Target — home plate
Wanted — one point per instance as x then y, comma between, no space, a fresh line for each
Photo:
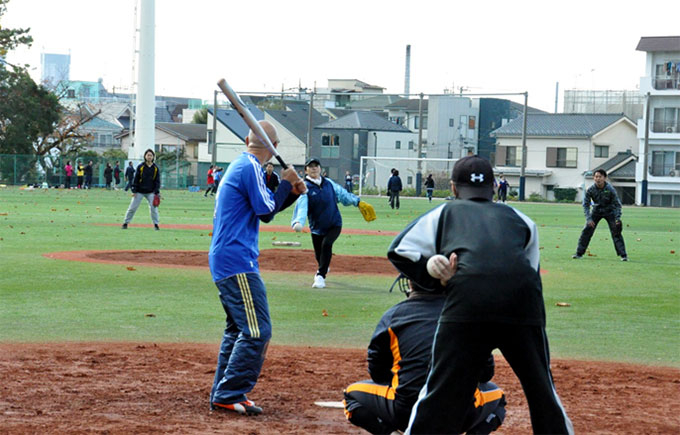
329,404
277,243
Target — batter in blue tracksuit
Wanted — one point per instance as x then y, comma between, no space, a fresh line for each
242,201
320,204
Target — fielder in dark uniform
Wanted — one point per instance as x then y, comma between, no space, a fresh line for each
492,301
398,361
606,204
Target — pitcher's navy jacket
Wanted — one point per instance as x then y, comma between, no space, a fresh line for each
320,205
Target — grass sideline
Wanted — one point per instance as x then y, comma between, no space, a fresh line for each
619,311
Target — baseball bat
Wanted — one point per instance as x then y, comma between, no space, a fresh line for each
249,119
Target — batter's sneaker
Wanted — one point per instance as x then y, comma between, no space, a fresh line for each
576,256
624,258
247,407
319,282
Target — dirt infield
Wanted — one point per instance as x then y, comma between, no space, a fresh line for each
147,387
163,388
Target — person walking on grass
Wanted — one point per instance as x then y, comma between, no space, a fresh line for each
146,185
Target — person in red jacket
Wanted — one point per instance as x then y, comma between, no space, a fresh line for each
210,181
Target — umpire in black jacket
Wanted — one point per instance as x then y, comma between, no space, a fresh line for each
398,358
492,302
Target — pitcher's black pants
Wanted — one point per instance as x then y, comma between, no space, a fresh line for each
323,249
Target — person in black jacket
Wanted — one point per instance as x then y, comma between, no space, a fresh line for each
398,358
492,302
271,177
394,187
146,184
116,175
130,176
88,175
605,205
429,186
108,175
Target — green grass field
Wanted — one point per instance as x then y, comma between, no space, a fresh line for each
619,311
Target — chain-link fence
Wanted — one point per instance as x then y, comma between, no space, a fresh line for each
48,171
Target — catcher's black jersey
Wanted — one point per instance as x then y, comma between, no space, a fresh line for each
400,349
498,261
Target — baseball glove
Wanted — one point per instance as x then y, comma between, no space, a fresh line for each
367,211
156,200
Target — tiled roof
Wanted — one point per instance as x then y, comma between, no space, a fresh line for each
233,121
559,124
297,121
659,43
187,132
363,121
625,171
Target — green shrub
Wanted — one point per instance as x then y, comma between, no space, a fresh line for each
535,197
565,194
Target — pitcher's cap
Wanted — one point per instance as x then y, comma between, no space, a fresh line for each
312,160
473,177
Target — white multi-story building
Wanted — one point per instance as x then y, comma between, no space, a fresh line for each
661,144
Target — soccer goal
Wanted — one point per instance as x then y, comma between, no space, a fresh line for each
374,173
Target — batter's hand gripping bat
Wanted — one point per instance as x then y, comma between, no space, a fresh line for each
249,119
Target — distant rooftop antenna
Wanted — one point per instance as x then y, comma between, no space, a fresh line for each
407,73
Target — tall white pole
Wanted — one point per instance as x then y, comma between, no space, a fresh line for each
146,98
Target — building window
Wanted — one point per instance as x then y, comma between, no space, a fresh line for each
561,157
658,199
397,145
665,163
210,142
410,144
601,151
416,122
409,180
450,122
330,139
71,93
513,156
666,120
472,122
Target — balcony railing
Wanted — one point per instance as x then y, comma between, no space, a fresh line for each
661,83
665,127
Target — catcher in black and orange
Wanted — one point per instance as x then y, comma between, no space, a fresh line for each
320,205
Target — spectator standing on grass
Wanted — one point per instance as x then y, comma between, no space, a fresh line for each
429,186
116,175
348,181
108,175
68,171
242,201
88,175
502,189
606,205
80,172
130,176
146,184
271,177
394,186
210,181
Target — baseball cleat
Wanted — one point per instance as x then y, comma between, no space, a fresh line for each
319,282
247,407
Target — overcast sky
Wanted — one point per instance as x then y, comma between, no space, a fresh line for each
484,46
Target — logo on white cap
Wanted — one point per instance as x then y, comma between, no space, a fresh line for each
476,177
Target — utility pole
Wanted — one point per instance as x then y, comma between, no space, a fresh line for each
419,173
309,126
522,178
214,135
643,187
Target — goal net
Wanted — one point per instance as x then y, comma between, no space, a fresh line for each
376,171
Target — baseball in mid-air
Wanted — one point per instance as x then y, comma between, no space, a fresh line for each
436,265
297,227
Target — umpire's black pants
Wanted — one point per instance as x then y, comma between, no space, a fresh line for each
614,229
323,249
459,355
